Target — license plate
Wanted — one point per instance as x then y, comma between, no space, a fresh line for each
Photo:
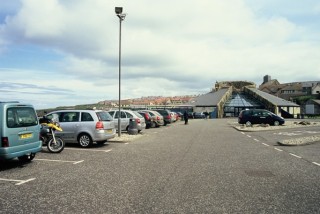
25,136
109,131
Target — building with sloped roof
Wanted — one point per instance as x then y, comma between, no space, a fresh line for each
212,102
230,98
274,104
312,107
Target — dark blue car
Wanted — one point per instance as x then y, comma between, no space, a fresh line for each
259,116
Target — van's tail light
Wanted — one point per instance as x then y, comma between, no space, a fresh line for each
99,125
158,118
4,142
138,120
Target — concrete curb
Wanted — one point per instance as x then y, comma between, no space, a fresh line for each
300,141
260,127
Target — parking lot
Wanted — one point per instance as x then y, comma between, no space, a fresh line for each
72,155
201,167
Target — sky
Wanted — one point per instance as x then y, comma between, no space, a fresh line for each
66,52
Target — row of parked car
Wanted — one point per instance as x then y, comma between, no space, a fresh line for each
88,126
20,127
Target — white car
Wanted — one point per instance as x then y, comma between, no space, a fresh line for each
126,115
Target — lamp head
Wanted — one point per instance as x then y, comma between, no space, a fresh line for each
118,10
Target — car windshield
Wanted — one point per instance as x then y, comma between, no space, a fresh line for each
104,116
137,114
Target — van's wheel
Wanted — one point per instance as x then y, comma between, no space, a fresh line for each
27,158
85,140
276,123
248,124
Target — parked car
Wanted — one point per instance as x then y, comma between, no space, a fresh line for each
198,115
174,116
179,115
166,115
84,126
157,118
258,116
19,131
190,115
126,115
147,118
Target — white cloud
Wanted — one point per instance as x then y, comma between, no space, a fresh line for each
173,43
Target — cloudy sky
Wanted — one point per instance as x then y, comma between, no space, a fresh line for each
65,52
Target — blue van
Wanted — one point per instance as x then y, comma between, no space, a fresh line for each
19,131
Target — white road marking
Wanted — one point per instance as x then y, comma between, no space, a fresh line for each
248,136
278,149
318,164
19,182
265,144
256,140
78,162
92,150
126,143
242,133
63,161
295,155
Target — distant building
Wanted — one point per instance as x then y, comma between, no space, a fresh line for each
289,91
312,107
229,98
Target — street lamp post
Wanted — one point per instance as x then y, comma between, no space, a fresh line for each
121,16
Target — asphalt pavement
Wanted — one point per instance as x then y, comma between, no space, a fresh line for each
204,167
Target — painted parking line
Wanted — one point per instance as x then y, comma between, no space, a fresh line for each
256,140
92,150
18,182
265,144
318,164
294,155
248,136
63,161
278,149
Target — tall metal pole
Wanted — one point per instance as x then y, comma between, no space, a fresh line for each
121,17
119,117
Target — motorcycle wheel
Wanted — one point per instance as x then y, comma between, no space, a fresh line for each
55,147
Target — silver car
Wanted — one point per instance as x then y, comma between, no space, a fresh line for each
157,118
126,115
84,126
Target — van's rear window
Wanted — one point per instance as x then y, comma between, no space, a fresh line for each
21,117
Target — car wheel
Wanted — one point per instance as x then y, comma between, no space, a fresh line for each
276,123
248,123
85,140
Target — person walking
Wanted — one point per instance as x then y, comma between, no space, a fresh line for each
185,117
206,114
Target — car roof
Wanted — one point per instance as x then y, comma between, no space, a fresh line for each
77,110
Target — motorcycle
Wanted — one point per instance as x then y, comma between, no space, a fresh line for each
47,135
